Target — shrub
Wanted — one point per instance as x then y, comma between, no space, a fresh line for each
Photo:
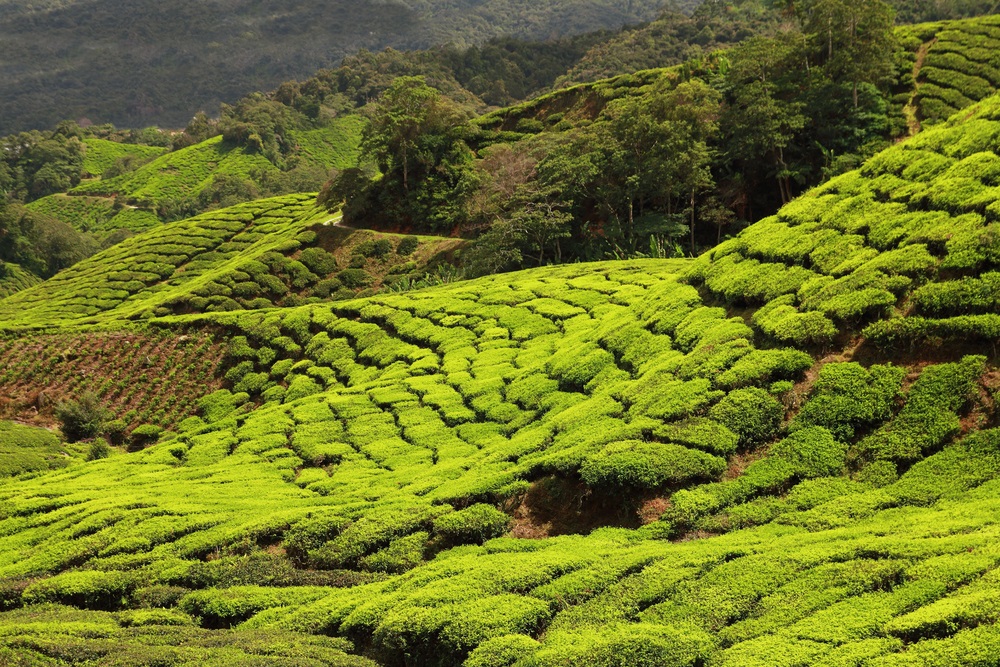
752,414
781,320
761,365
144,435
813,452
81,418
407,245
325,288
700,433
502,651
474,524
88,589
846,397
374,248
929,417
114,430
318,261
355,278
649,465
99,449
401,555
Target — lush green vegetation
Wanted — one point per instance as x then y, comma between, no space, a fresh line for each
281,251
360,500
25,450
15,279
958,65
661,162
298,443
103,155
174,61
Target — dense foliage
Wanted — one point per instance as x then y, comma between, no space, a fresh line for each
305,444
651,160
145,63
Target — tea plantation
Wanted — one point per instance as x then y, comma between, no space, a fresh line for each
282,251
784,452
98,215
958,64
14,279
101,155
186,172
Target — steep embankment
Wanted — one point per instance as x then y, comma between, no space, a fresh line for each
810,407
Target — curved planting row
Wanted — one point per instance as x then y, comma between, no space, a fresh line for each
98,215
789,446
273,252
957,65
914,233
14,279
140,378
171,259
365,498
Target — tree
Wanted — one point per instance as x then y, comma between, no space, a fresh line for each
761,125
695,107
855,37
408,111
763,113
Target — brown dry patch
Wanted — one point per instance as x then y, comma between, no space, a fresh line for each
740,461
651,510
555,506
142,378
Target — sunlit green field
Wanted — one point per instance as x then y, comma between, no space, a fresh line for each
783,452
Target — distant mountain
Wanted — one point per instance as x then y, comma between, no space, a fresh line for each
142,62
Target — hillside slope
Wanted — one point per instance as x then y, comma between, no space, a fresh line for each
784,452
141,63
280,251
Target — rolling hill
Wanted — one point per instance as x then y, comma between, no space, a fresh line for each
782,452
143,63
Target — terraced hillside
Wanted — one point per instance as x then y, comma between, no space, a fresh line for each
100,216
785,452
14,279
25,450
101,155
955,65
187,172
281,251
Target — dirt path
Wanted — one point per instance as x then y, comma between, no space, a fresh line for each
910,110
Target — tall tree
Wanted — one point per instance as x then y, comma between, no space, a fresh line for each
408,111
855,39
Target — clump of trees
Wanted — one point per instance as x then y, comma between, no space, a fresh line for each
664,171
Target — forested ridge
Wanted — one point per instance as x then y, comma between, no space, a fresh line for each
670,346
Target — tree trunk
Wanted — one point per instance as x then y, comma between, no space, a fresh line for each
631,226
692,222
406,174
